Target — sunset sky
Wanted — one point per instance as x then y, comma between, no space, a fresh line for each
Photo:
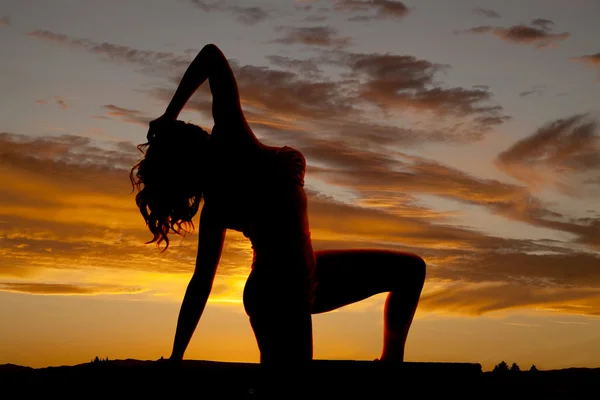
463,131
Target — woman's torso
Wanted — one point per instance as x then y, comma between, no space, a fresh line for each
259,192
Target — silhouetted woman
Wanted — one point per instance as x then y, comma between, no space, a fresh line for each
257,189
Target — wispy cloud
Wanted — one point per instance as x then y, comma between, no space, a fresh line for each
544,24
308,67
145,58
125,115
372,9
347,149
592,60
485,297
312,36
249,15
393,83
555,154
60,102
538,33
570,323
399,81
486,12
534,90
66,289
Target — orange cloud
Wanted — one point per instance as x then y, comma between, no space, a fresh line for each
58,100
64,289
592,59
66,207
478,299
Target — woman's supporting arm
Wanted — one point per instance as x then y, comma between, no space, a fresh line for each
211,64
210,245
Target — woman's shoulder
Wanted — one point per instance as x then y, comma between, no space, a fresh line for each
292,154
293,162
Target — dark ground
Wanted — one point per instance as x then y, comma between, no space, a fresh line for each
323,379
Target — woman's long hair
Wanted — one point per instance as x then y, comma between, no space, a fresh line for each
168,179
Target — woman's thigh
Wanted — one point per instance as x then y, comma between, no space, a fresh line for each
278,303
281,281
347,276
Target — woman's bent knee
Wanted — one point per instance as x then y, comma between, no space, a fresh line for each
420,268
409,269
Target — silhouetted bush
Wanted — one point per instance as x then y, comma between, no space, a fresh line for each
515,368
97,360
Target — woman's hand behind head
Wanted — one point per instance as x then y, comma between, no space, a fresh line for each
158,125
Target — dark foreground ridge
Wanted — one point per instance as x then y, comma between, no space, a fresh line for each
323,379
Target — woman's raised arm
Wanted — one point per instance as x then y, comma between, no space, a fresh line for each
211,64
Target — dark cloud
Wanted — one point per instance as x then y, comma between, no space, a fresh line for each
208,5
534,90
63,150
250,15
486,12
285,92
394,83
315,18
561,148
244,14
545,24
145,58
312,36
399,82
303,7
374,9
308,67
65,289
125,115
363,170
539,35
61,103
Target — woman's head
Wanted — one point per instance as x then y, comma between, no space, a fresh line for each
169,178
